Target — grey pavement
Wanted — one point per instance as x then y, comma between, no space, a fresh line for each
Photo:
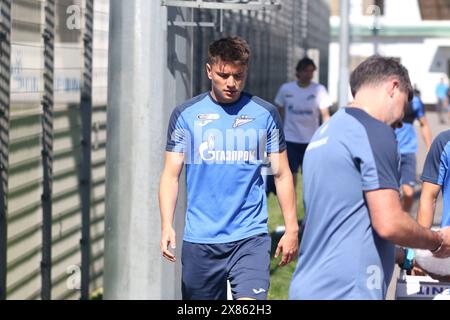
436,128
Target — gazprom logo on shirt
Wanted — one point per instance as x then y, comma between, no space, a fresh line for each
208,154
215,146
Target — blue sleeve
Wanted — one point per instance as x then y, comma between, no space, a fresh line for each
177,133
436,164
275,135
380,167
418,107
375,153
387,159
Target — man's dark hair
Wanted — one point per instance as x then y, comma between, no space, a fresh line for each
230,49
303,63
376,69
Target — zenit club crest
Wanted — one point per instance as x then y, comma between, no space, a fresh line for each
244,119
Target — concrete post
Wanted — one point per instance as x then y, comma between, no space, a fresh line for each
149,74
344,40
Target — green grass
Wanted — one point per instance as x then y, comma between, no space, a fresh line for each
280,277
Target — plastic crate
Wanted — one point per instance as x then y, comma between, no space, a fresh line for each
421,288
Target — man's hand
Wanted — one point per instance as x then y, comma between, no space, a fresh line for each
288,244
417,270
444,251
168,238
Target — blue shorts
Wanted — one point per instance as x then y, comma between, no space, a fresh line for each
296,153
207,267
408,169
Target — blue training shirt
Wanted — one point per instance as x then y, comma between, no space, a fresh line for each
225,147
341,255
435,171
406,135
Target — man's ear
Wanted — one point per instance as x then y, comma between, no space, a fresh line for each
209,71
392,86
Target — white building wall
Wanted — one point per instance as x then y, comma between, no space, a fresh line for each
426,59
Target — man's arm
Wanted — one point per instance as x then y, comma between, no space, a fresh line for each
284,184
425,130
427,204
325,114
393,224
168,192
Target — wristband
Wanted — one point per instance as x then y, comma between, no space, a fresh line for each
408,262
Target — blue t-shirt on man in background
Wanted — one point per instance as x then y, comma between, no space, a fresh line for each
436,171
406,135
341,255
441,90
225,147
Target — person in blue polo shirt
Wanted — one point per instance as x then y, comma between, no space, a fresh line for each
435,178
353,214
441,95
407,142
222,137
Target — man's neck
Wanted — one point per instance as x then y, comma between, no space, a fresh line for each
220,101
303,84
369,101
367,110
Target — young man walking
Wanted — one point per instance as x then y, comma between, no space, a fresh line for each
222,136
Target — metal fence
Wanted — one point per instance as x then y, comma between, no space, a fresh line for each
56,153
278,38
53,77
